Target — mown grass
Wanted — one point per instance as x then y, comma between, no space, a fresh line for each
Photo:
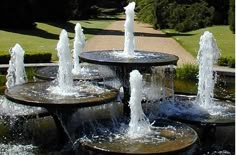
190,40
44,37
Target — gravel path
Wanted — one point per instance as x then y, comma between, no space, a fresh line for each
146,38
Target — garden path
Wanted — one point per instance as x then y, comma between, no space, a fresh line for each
146,38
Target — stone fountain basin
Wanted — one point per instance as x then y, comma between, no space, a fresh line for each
184,110
141,58
89,72
36,94
107,138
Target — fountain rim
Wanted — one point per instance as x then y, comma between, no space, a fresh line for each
60,105
173,61
201,123
96,78
100,150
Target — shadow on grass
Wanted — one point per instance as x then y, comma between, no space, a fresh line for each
178,34
96,31
68,26
33,32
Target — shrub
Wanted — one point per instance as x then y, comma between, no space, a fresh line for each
232,16
187,72
180,15
38,58
226,61
29,58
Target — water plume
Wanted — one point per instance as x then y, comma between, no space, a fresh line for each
139,124
208,54
79,44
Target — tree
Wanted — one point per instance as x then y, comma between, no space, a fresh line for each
232,15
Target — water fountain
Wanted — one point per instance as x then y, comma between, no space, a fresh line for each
128,59
63,96
16,76
203,108
139,136
81,71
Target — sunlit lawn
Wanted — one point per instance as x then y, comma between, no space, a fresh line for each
45,36
190,40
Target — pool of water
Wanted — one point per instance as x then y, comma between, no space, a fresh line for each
39,136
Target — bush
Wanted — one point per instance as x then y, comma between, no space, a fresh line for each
232,16
180,15
187,72
226,61
29,58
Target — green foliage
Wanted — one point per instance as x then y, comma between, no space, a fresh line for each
226,61
16,14
232,16
221,8
181,15
145,10
197,15
187,72
29,58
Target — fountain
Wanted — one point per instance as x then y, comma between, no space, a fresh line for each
63,96
202,108
72,101
128,59
139,136
81,71
16,76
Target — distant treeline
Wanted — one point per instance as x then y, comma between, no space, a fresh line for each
186,15
24,13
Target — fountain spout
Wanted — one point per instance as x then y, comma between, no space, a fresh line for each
65,78
16,72
129,29
79,44
139,124
207,55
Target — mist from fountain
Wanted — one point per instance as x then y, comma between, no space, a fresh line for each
139,124
79,44
208,54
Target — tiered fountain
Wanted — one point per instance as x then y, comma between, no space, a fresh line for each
62,96
132,133
139,137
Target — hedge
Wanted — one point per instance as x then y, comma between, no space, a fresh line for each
226,61
29,58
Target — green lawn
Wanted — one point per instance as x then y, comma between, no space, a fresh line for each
190,40
45,37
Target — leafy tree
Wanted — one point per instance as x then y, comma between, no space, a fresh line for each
232,16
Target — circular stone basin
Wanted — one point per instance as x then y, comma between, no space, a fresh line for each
88,72
185,109
37,94
141,58
166,137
